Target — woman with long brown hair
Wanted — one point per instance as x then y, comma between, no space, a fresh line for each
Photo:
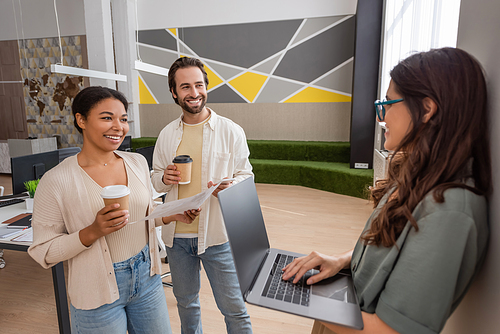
427,236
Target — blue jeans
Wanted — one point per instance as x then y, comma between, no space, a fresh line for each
141,307
218,263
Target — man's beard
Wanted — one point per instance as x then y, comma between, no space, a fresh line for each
186,107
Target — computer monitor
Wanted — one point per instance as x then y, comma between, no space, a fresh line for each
147,152
126,144
31,167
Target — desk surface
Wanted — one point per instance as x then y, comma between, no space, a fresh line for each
8,212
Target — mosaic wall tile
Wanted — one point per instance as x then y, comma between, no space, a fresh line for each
305,60
48,96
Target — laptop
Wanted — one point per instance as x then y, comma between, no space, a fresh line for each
259,267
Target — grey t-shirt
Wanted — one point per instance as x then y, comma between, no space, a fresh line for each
416,285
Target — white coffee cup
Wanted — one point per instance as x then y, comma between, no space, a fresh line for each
116,194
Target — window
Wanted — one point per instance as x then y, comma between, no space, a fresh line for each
411,26
415,26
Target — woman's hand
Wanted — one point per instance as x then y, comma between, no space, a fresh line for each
188,217
171,175
106,222
327,266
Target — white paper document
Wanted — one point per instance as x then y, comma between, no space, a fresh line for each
14,236
9,234
26,237
181,205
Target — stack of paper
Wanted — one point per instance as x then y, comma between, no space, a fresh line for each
18,235
27,236
181,205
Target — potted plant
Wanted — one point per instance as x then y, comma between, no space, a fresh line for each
30,186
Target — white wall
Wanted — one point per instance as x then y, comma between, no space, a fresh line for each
158,14
37,19
287,121
478,34
38,16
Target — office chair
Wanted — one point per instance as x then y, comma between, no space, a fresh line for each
161,243
147,152
160,240
67,152
126,144
2,261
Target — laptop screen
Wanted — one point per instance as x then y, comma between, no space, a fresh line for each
245,229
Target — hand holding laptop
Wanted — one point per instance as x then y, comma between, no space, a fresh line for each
258,266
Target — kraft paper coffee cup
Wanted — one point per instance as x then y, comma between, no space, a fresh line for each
116,194
184,163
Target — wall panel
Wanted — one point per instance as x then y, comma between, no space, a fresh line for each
306,60
49,96
265,121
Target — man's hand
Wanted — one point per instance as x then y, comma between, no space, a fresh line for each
171,175
221,186
188,217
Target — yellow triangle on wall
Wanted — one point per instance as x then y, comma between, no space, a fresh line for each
248,84
173,31
145,95
213,79
311,94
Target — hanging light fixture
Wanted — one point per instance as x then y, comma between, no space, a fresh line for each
139,64
70,70
145,67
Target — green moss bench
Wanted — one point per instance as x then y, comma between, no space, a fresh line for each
319,165
136,143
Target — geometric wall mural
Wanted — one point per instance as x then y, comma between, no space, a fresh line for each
48,96
292,61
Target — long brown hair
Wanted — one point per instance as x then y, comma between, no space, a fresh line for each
439,154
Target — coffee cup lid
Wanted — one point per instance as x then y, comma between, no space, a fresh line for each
115,191
182,159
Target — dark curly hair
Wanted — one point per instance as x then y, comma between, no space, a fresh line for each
441,153
88,97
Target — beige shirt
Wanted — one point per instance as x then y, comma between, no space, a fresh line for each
131,239
224,154
191,144
61,210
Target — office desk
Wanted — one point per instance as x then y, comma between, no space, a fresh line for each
57,270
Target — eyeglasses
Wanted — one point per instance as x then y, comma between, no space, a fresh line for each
380,109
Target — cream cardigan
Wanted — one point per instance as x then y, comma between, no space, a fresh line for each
60,211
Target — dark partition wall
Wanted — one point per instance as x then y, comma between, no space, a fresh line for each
365,82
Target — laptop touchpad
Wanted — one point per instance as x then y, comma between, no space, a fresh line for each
338,287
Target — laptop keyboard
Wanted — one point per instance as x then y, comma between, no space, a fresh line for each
10,202
277,288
